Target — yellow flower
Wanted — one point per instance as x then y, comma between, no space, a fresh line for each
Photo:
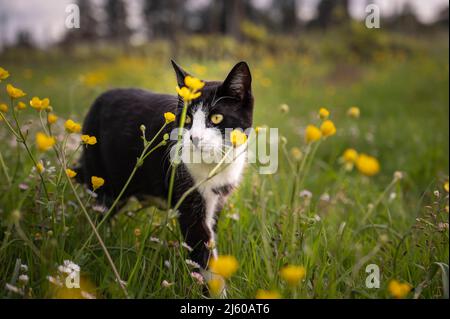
446,187
90,140
44,142
399,290
354,112
350,156
21,105
97,182
72,127
51,118
296,153
328,128
3,74
237,138
312,134
39,104
13,92
267,294
187,94
324,113
216,285
70,173
224,266
3,107
169,117
293,274
40,167
193,83
368,165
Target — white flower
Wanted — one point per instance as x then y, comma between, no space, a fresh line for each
306,194
155,240
167,263
325,197
234,216
198,277
166,284
24,268
189,248
192,263
13,289
24,279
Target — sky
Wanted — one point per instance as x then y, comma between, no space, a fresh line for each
44,19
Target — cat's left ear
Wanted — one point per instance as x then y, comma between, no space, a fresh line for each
238,82
180,73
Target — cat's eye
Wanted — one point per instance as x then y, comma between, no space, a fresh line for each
216,118
188,120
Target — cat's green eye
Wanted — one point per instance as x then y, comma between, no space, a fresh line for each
187,120
216,118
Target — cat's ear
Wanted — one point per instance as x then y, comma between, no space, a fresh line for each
180,73
238,82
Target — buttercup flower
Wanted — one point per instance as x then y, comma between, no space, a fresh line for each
40,167
399,290
292,274
44,142
267,294
368,165
39,104
224,266
21,105
72,127
216,285
193,83
97,182
187,94
89,140
3,74
14,92
354,112
324,113
328,128
237,138
71,173
312,134
446,186
3,107
51,118
169,117
350,156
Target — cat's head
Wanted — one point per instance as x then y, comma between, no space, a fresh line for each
221,106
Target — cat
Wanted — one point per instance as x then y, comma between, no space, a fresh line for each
115,119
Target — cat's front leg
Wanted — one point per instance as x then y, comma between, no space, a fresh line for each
198,236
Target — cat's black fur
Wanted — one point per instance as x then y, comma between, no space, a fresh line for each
115,119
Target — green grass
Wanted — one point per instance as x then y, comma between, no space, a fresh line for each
404,123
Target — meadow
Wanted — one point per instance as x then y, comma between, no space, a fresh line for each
318,213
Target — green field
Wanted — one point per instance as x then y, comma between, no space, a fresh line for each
350,221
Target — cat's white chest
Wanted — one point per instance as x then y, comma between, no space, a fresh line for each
229,175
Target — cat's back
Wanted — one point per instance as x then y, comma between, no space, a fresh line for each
131,99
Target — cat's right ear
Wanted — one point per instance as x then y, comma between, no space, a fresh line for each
180,73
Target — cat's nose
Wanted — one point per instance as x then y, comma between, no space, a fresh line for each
195,140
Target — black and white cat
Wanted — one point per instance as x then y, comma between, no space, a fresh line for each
115,119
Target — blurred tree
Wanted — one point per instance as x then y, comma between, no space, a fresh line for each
24,40
117,28
163,18
331,12
287,12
